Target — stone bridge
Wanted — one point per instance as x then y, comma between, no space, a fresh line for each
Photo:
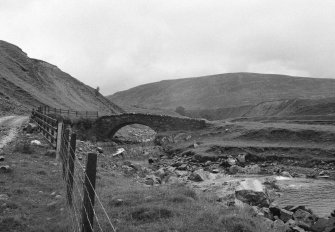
107,126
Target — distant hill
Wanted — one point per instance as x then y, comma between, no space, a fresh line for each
228,90
27,83
279,108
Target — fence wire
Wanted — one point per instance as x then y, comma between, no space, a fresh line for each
76,190
78,208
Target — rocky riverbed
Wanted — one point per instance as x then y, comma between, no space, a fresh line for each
289,199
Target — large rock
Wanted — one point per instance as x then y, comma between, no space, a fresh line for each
232,161
241,158
286,174
182,167
285,215
198,175
279,225
324,224
304,219
252,197
152,179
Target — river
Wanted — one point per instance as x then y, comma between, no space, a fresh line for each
316,194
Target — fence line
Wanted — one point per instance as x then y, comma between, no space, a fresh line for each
80,203
73,113
47,125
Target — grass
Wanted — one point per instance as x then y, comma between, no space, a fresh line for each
135,207
33,178
24,148
131,206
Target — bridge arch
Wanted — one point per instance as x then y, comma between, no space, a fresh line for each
109,125
116,128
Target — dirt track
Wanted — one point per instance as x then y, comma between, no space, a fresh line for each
8,128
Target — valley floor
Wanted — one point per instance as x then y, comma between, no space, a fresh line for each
159,196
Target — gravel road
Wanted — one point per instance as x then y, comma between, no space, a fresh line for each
9,126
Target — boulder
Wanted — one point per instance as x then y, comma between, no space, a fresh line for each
197,176
304,219
2,158
100,150
231,161
215,170
35,142
285,215
160,173
120,152
181,173
207,163
291,223
279,225
295,208
321,224
241,158
152,179
286,174
267,224
252,197
182,167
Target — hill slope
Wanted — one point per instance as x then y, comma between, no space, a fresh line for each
26,83
299,108
224,91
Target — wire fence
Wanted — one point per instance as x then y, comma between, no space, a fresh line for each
47,125
80,181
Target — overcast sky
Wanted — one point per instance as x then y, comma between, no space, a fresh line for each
120,44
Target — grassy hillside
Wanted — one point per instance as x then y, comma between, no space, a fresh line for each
31,82
224,91
279,108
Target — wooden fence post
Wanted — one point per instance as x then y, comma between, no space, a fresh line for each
59,139
89,189
65,150
72,156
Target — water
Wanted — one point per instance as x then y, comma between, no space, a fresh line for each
316,194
